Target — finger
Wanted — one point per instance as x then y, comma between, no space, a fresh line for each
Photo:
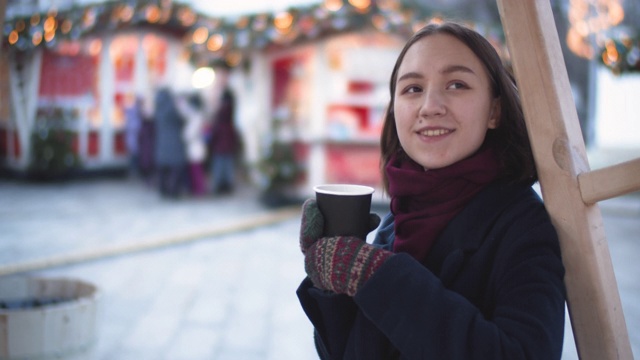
314,266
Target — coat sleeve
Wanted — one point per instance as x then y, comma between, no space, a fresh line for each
332,316
526,320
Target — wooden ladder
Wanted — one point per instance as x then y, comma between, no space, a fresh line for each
570,190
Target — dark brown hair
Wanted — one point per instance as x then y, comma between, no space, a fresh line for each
510,138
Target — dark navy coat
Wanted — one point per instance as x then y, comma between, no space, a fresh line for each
490,288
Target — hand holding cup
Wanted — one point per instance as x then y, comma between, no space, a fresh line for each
345,209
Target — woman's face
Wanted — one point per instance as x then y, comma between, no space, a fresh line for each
442,102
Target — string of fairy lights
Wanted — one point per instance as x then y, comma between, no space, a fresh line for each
594,32
211,41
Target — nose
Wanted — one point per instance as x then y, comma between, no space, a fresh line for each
432,104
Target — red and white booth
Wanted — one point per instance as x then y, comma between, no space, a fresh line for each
87,82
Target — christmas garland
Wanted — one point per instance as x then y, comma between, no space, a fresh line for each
218,40
215,41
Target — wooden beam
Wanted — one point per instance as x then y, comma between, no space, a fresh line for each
592,296
609,182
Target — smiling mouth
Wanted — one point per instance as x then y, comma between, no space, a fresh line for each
436,132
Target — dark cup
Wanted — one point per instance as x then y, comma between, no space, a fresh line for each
345,209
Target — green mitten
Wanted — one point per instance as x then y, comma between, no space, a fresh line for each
343,264
312,224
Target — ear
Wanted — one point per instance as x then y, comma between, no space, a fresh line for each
494,115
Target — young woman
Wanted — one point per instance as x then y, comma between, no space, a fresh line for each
467,264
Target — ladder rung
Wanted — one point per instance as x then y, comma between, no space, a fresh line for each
609,182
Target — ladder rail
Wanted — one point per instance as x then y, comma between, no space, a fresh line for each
593,300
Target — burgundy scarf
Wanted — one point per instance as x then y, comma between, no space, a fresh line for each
423,202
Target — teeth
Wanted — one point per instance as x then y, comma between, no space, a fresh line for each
437,132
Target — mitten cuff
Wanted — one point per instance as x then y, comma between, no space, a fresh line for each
367,261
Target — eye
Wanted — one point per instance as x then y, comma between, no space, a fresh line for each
457,85
412,89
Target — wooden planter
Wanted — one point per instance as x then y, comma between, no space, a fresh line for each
44,318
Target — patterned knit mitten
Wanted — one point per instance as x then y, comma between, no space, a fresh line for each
343,264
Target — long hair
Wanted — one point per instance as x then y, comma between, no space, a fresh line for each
509,138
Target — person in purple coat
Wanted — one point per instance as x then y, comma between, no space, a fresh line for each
224,146
467,263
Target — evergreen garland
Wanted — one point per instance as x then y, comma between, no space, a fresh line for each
52,146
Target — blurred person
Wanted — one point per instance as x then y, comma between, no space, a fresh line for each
133,126
224,145
191,108
170,153
467,264
146,156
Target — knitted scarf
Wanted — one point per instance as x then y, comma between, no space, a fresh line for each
423,202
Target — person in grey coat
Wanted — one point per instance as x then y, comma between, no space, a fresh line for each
170,153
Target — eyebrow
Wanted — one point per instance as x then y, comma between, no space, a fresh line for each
447,70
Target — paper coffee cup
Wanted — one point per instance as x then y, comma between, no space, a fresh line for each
345,208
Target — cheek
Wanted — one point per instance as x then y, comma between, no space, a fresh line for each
401,116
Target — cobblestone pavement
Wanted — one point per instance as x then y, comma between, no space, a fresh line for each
180,286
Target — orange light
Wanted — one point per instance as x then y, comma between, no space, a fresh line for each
13,37
20,25
333,5
48,36
611,55
436,20
200,35
153,14
616,13
360,4
49,24
283,21
215,42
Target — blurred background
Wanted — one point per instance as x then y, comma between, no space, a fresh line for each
86,192
310,77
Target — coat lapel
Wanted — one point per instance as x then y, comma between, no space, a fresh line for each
469,230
